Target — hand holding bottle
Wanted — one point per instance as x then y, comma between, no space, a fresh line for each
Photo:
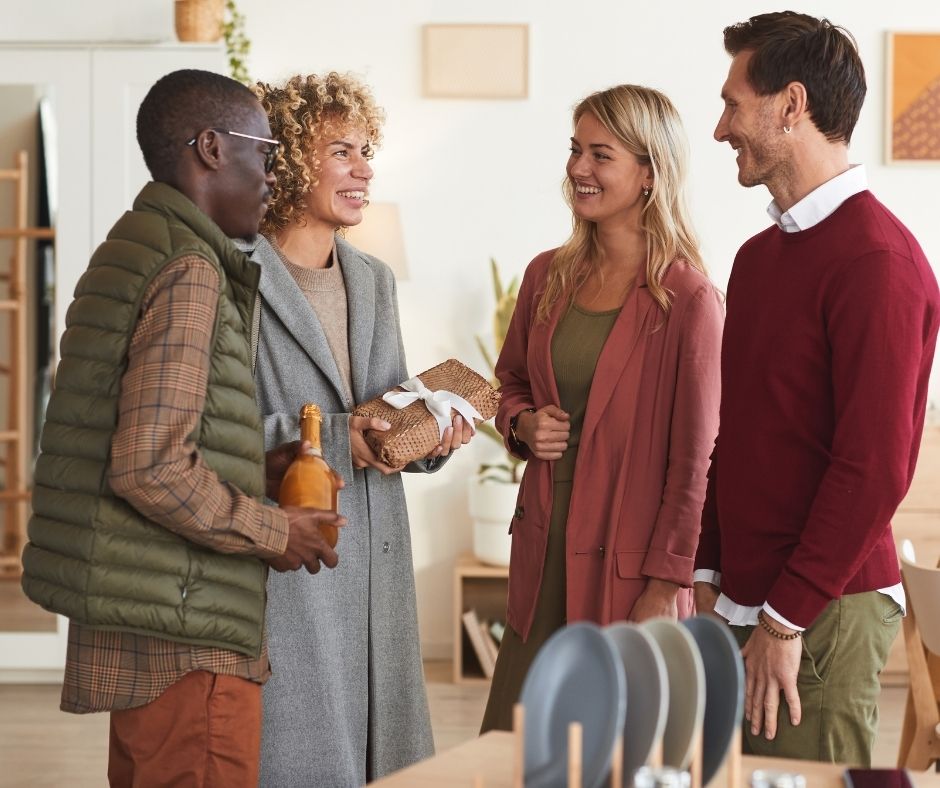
307,545
276,463
309,482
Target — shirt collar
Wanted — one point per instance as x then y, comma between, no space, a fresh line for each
820,202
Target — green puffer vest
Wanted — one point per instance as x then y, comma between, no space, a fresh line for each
91,556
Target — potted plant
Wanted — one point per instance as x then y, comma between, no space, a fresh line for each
493,490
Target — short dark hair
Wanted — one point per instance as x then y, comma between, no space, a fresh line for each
791,47
178,107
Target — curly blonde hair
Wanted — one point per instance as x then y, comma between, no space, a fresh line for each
303,111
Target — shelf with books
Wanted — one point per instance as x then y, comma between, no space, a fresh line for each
479,604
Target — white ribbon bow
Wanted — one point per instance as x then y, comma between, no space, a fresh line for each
438,403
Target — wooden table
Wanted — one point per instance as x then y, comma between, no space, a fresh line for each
490,759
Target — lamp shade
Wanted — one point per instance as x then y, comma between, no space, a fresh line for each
379,234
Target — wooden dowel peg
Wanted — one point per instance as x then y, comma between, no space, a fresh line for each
575,732
696,766
656,756
518,748
616,764
733,767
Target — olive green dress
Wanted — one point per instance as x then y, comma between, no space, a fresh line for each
576,346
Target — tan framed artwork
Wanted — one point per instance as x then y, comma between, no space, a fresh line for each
476,61
912,101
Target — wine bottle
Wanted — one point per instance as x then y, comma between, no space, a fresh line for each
310,482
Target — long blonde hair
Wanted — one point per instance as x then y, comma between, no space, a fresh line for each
648,126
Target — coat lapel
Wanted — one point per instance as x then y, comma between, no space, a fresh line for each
617,353
543,373
361,306
283,296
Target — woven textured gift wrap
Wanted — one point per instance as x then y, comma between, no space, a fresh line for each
415,431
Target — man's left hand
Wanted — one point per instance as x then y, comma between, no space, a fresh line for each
771,666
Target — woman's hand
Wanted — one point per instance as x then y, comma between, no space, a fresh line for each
362,454
453,438
658,600
544,431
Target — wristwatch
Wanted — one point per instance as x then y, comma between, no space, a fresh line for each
512,425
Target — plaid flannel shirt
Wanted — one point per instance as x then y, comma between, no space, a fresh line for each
161,474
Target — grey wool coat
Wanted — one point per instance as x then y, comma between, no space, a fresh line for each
346,702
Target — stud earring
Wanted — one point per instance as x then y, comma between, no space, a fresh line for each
646,191
787,129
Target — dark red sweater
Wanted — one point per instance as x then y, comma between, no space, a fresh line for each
827,348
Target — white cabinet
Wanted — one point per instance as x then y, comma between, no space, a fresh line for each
95,90
120,79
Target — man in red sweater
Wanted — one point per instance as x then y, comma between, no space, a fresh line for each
830,334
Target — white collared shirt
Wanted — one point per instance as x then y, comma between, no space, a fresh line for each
810,211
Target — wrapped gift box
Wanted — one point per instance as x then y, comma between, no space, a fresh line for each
415,429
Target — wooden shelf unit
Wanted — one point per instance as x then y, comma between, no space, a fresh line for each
14,496
483,588
918,519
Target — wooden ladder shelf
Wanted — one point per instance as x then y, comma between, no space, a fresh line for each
14,494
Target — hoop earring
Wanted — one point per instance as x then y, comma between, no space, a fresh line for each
787,129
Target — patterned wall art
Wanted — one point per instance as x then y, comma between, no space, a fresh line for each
912,101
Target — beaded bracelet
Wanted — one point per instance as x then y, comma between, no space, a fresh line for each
762,620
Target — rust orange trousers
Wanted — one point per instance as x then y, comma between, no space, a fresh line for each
204,731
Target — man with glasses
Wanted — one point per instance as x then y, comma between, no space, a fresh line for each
148,529
270,152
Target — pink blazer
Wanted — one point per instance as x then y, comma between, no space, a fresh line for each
649,429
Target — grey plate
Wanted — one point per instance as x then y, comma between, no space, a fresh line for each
577,676
724,688
686,689
647,690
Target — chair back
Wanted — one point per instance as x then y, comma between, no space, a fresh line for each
923,589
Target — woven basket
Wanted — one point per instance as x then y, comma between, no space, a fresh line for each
414,432
199,20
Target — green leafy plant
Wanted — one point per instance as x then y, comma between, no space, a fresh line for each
510,469
237,44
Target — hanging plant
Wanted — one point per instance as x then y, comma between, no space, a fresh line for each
237,45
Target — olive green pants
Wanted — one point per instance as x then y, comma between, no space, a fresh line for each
843,653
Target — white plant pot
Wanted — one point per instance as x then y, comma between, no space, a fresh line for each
492,504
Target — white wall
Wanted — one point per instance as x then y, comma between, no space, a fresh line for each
478,178
482,178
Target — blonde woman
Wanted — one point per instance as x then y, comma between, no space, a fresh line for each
610,382
346,703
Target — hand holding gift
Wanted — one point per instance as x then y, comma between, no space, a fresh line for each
423,414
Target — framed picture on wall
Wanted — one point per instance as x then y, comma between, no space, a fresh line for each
476,61
912,98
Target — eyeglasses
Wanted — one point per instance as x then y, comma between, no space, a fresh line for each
270,155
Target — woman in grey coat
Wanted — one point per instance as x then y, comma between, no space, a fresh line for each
346,703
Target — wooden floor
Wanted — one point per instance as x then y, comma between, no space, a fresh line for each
40,747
